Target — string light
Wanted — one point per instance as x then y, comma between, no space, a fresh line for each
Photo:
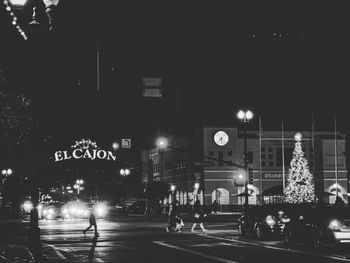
14,19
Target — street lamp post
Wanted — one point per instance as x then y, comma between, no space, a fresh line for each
245,117
5,173
37,44
78,184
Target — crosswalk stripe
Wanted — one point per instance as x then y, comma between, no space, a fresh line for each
225,260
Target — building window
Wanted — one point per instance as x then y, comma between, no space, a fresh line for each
263,156
211,153
263,164
229,153
250,156
270,157
221,158
270,163
270,149
288,155
262,149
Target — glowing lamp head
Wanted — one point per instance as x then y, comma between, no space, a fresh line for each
162,143
172,188
249,115
127,171
196,185
241,115
9,171
115,146
240,176
3,172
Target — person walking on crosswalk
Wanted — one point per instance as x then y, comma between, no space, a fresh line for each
92,221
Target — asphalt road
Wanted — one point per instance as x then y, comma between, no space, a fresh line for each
144,239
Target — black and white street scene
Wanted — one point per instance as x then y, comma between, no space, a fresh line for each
162,131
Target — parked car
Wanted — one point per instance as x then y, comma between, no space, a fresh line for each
318,225
264,221
137,207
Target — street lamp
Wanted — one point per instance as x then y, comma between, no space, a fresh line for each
124,172
245,117
115,146
6,173
162,143
78,184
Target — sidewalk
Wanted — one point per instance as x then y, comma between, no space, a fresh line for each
49,254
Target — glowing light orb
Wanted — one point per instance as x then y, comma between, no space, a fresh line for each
298,137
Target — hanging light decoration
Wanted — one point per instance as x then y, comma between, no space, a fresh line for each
8,8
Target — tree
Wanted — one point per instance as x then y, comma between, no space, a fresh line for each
300,185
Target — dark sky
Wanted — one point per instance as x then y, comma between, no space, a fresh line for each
283,61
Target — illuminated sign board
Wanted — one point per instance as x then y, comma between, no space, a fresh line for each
84,149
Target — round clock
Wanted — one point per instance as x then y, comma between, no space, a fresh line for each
221,138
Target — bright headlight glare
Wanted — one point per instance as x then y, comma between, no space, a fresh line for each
51,211
334,224
101,209
270,221
285,220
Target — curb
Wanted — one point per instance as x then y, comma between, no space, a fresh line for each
51,254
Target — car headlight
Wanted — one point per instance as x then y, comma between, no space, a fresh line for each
101,210
285,220
44,211
334,224
270,221
51,211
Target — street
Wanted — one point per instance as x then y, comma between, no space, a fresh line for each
144,239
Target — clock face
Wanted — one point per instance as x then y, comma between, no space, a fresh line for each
221,138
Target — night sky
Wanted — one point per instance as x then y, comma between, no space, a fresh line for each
281,61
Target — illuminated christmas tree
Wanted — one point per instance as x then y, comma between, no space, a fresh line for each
300,186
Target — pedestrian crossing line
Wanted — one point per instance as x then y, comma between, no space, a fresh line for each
219,259
58,253
336,257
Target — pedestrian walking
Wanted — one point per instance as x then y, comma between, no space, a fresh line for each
215,207
198,216
92,221
179,222
172,217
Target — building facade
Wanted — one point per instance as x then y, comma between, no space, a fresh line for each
209,165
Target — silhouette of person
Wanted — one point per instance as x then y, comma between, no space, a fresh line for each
92,221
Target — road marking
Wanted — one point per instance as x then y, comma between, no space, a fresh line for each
277,248
58,253
160,243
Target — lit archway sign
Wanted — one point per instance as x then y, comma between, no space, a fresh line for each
84,149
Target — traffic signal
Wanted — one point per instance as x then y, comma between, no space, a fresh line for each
251,175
